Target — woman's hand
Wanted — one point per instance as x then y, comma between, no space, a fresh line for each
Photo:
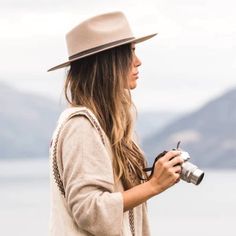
166,171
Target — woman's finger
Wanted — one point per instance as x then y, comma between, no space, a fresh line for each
177,169
171,154
177,180
177,160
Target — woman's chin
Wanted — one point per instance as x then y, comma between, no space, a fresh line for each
133,85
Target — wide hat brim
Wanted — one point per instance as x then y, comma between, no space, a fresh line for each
102,48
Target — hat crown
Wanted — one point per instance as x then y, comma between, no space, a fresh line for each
96,31
98,34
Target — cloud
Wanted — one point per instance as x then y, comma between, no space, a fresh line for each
195,47
40,5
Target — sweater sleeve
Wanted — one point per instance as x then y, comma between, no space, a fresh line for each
88,180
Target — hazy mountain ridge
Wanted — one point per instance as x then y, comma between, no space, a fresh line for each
208,134
148,123
26,123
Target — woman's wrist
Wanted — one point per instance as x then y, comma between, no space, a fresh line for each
154,187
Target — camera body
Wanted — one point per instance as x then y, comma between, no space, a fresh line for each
189,172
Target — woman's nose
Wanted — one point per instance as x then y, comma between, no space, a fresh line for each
137,61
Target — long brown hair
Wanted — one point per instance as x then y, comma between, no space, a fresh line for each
100,83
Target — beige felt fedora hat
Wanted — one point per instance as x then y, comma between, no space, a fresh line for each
97,34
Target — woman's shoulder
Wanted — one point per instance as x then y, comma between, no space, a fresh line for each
78,122
81,121
74,111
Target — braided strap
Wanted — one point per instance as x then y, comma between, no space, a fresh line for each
131,222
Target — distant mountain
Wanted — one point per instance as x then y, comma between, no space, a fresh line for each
148,123
26,123
208,134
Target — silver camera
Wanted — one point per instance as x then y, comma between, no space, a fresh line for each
190,173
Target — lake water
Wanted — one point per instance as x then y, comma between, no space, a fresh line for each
208,209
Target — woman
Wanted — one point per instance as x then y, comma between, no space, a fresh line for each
99,186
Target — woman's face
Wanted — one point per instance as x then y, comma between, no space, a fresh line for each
133,75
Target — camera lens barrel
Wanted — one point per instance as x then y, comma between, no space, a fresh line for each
191,173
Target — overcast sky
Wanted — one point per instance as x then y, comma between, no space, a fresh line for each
192,60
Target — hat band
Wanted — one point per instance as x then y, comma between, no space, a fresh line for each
99,48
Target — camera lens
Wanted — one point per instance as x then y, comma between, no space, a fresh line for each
191,174
196,177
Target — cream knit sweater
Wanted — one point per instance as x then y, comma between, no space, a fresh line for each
93,204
